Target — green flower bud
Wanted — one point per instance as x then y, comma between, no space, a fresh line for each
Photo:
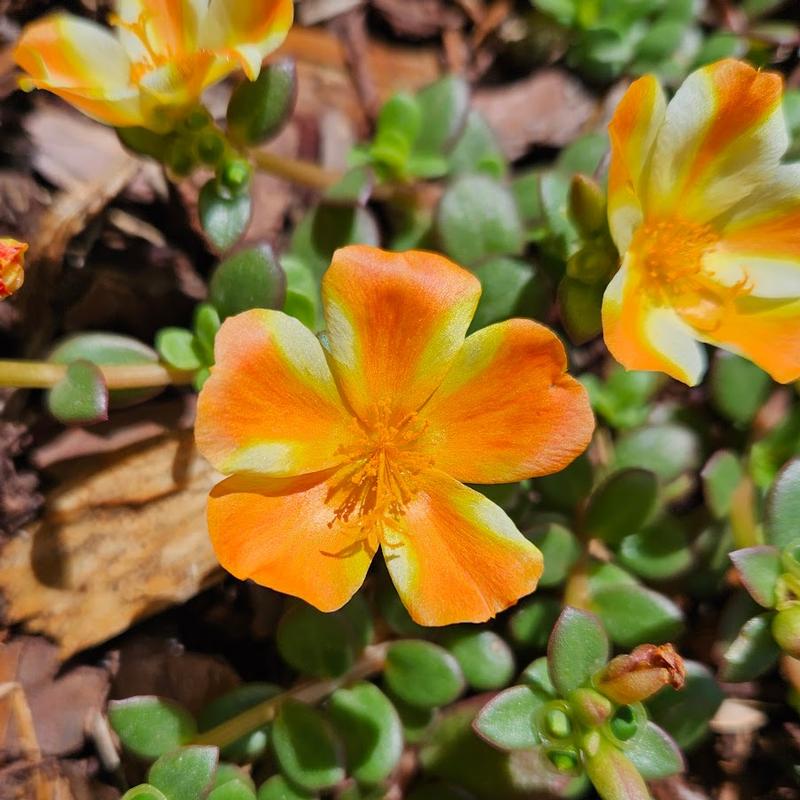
564,760
235,175
786,629
587,205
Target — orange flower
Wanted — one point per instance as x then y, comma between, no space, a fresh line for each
708,222
362,444
12,266
165,54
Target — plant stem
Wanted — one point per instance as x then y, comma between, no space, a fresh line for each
371,662
45,375
303,172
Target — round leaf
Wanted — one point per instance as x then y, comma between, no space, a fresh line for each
371,730
759,568
477,218
423,674
721,475
577,649
783,506
259,109
320,644
654,753
444,106
659,552
621,505
531,621
143,792
752,652
81,396
668,450
184,774
278,788
305,747
486,661
251,278
507,720
150,726
178,348
738,387
224,219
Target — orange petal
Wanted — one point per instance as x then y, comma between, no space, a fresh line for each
632,131
765,331
270,405
248,30
507,410
760,244
81,62
167,27
395,323
642,334
278,533
723,133
459,558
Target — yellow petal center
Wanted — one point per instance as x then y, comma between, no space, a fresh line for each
378,480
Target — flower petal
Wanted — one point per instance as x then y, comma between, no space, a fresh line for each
723,133
459,557
270,405
167,27
633,129
248,30
81,62
765,331
395,322
279,533
507,410
760,246
646,336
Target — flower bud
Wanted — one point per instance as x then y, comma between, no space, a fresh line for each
590,707
635,677
12,266
786,629
587,205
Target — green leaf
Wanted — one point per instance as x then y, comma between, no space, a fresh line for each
395,614
507,283
668,450
232,790
184,774
622,400
532,620
685,713
721,475
422,674
560,550
81,396
206,326
278,788
150,726
323,645
179,349
565,489
398,125
251,278
659,552
621,505
231,773
782,519
306,748
146,142
752,652
101,347
584,154
143,792
738,387
770,454
371,730
224,219
577,649
484,657
507,721
353,188
477,218
223,708
759,568
259,109
654,753
444,106
719,45
633,615
613,775
477,149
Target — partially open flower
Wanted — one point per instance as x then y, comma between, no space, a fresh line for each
649,668
12,266
165,54
708,223
366,443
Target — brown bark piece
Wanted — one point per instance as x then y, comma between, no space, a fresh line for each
123,537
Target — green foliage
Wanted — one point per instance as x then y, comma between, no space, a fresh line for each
423,674
184,774
81,396
251,278
192,351
224,213
149,727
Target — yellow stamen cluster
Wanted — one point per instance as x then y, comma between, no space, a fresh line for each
379,482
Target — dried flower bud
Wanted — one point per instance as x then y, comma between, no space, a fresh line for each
635,677
12,262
